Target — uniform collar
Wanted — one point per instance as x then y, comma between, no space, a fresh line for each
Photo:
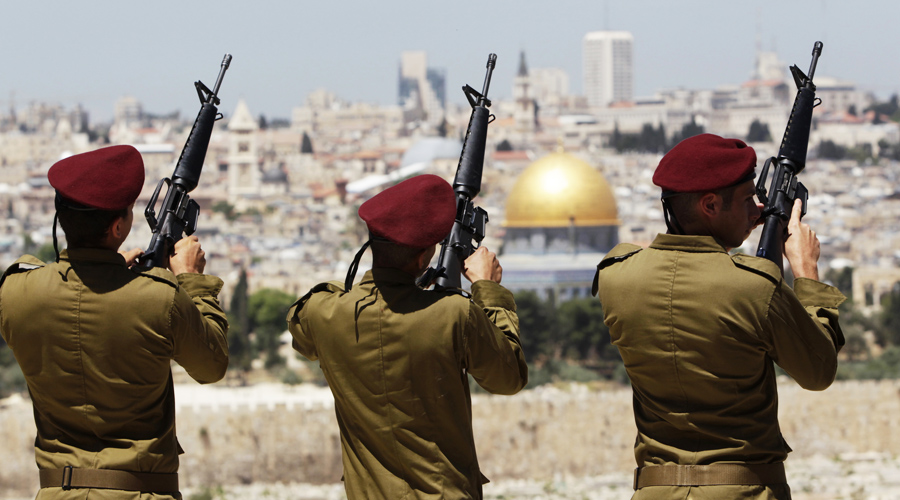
92,255
687,243
388,275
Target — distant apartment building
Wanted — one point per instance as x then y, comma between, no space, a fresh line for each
549,83
421,89
326,117
128,111
550,88
608,67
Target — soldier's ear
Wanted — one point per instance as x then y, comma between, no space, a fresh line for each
115,228
424,258
709,204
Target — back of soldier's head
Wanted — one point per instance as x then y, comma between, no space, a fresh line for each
701,164
408,218
85,227
93,189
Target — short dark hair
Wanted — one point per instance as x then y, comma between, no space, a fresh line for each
388,254
85,227
683,204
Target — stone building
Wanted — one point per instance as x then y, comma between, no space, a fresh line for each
244,176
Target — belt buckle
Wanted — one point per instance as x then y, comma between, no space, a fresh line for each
67,477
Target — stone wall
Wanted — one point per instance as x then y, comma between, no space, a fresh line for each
542,433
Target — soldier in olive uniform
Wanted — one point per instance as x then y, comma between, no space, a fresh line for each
396,356
699,331
95,338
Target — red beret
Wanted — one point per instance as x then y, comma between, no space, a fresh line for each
417,213
705,162
108,178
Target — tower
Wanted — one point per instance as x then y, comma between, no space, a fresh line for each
243,161
608,67
422,90
525,113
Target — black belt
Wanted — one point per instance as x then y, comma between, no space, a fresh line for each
708,475
70,477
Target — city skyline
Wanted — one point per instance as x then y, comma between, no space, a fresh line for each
73,54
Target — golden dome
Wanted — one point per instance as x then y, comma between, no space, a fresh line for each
556,191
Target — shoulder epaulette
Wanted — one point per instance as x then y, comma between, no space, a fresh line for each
329,286
619,253
758,265
24,264
159,274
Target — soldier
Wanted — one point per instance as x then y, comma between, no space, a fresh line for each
396,356
699,330
95,338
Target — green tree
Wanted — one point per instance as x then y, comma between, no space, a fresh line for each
888,150
537,322
616,138
266,309
652,140
883,367
625,142
306,146
583,333
759,132
831,151
855,347
28,244
688,130
842,279
11,378
890,108
46,253
225,208
861,152
239,348
889,319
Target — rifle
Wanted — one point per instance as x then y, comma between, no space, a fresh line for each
791,160
179,211
470,223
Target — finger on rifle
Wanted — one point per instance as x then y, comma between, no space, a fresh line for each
796,213
131,256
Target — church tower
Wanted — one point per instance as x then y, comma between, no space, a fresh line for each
526,109
244,177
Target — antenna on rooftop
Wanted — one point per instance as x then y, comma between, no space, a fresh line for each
606,15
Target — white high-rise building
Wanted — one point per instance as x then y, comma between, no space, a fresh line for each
608,67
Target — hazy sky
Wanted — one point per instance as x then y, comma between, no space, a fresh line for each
95,52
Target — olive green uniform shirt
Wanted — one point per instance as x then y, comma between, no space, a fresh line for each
396,358
699,331
95,340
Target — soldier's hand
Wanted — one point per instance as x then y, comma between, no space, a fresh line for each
801,246
188,257
482,265
131,256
